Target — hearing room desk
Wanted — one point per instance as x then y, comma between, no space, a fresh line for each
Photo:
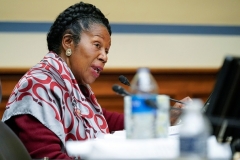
116,146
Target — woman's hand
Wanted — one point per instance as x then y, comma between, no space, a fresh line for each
176,111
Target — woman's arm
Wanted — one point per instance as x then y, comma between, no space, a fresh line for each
38,139
115,120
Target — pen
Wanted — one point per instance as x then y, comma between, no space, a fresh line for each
177,101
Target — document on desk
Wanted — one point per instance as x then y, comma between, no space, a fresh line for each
112,146
116,146
172,131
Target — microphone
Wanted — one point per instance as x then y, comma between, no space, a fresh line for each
125,81
120,90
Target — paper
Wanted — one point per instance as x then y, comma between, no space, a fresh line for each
116,146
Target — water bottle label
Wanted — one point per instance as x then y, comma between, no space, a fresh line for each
144,109
146,116
144,104
193,146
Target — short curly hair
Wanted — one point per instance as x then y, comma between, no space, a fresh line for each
74,20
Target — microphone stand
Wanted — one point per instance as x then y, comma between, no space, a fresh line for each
121,91
125,81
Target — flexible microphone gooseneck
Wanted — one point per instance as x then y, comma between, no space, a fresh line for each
125,81
121,91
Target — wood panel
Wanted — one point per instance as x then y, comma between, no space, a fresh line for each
177,83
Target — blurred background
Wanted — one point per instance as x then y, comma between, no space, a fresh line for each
183,41
153,33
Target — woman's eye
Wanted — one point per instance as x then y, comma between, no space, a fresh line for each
97,45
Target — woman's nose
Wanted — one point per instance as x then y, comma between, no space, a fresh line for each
103,57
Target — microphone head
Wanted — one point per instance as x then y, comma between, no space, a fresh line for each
118,89
124,80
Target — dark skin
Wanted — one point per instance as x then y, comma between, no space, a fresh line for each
175,113
89,56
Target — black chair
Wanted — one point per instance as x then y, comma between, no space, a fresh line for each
11,147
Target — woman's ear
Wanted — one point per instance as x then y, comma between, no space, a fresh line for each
67,41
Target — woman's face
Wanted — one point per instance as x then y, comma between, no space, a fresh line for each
89,56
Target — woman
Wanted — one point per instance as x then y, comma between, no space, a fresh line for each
48,107
53,103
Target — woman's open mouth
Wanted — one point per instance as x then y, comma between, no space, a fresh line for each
96,71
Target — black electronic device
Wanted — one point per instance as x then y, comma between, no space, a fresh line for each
223,106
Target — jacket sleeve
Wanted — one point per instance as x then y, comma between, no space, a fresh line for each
38,139
115,120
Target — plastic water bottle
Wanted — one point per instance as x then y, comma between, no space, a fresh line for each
194,132
144,106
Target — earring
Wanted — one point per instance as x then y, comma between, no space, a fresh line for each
68,52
